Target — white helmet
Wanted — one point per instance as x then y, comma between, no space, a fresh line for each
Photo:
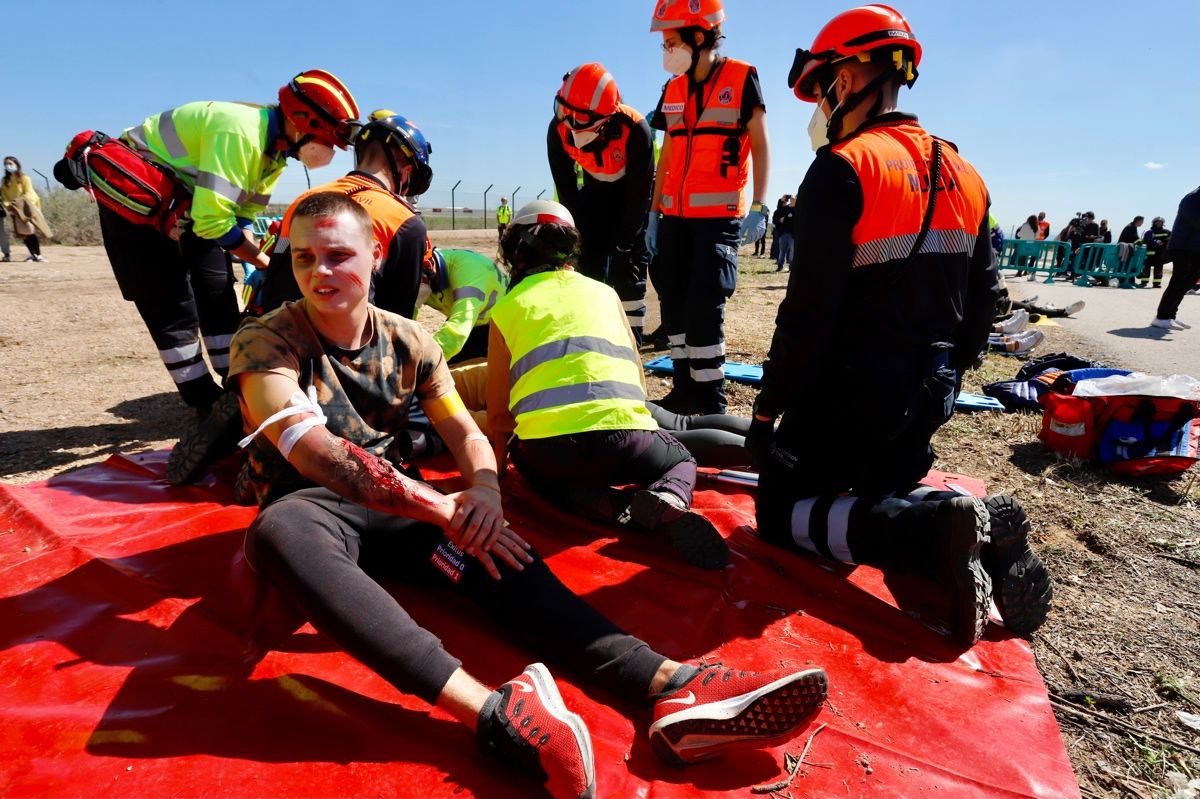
541,212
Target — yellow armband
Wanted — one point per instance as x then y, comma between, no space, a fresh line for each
442,408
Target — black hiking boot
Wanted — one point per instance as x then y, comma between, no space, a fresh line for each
961,529
690,534
1021,584
211,439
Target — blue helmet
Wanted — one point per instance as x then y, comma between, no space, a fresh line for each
394,131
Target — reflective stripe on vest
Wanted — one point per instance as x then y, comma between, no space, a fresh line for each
892,164
607,163
709,151
573,368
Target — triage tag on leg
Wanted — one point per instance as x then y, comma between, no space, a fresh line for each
449,559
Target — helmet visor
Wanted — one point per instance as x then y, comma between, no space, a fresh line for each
575,118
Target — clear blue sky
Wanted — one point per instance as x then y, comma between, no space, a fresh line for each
1062,106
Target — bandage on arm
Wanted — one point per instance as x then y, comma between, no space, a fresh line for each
299,403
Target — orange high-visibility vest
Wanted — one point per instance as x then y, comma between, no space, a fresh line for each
606,164
892,163
709,149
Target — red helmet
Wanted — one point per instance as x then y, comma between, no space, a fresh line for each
588,94
671,14
320,106
857,33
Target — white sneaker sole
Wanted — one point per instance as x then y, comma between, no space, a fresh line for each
694,747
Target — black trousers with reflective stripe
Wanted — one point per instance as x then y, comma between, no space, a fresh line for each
870,438
180,289
694,273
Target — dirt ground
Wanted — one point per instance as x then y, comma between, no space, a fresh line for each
1120,653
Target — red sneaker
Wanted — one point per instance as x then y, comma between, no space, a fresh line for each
525,720
721,709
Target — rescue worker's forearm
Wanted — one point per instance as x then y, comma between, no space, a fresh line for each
248,250
639,186
760,155
979,307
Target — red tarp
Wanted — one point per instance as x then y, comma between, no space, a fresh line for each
139,656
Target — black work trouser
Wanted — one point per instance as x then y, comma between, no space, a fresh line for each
1154,264
324,552
600,459
599,215
181,289
694,273
872,441
1185,271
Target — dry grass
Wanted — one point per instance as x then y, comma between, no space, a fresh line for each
72,216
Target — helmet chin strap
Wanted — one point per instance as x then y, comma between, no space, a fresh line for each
853,100
293,150
397,178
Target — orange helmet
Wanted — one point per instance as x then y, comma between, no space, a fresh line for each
320,106
671,14
588,95
858,32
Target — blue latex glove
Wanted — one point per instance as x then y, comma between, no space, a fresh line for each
251,284
754,224
652,233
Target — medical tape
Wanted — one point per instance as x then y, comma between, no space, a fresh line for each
300,403
442,408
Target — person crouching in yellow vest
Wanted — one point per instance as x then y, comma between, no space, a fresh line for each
464,286
565,377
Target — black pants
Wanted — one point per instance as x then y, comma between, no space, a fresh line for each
872,441
695,273
597,220
324,552
33,245
1154,263
181,289
1184,274
717,440
600,459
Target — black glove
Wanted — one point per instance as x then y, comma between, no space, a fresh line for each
759,440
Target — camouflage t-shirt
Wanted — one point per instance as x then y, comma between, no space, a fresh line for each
365,393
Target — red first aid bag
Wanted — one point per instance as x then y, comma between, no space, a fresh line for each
124,182
1069,424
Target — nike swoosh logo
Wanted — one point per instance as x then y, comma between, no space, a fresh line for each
687,699
523,687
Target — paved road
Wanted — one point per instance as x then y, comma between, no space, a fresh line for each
1116,323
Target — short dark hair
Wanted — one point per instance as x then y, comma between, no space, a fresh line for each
1139,218
326,204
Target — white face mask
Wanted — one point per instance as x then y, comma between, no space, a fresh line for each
10,168
677,60
583,138
818,129
315,155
